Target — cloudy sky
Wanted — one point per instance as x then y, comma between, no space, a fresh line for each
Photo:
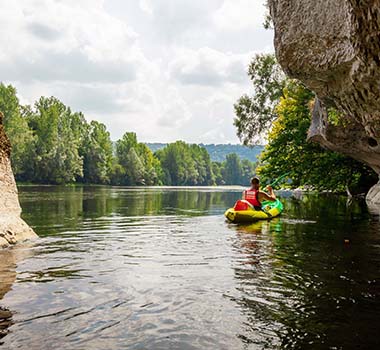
166,69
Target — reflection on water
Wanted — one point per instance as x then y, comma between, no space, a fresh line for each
159,268
8,262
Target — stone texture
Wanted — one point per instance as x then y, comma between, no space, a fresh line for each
333,46
12,228
373,198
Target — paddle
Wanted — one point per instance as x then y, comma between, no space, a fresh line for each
278,179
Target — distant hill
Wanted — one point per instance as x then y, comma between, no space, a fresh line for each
156,146
218,152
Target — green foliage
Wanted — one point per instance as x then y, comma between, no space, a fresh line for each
217,171
97,153
134,169
118,174
18,131
138,161
268,21
232,170
185,165
254,114
280,108
52,144
56,142
218,152
152,166
308,163
237,172
248,169
335,117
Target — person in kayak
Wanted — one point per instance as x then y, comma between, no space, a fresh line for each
255,197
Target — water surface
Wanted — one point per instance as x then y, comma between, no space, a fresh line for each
159,268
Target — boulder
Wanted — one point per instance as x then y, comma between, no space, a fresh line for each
12,228
333,47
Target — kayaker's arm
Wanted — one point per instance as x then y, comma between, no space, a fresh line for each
265,196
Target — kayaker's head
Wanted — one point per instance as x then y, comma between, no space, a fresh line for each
255,182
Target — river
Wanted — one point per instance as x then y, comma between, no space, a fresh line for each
160,268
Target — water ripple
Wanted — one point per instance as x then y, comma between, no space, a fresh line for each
161,269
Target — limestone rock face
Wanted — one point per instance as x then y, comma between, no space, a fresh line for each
333,46
12,228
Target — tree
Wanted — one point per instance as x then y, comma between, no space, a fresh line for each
140,166
185,165
308,164
248,169
255,114
203,165
152,167
97,154
178,166
118,173
232,170
18,131
134,169
57,143
217,172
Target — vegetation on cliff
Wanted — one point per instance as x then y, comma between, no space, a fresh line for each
281,109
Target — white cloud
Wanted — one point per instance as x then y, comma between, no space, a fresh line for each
237,15
47,29
175,111
146,6
208,67
177,19
73,66
165,69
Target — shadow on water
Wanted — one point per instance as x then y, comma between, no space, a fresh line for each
311,283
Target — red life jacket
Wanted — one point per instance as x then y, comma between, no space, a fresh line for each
252,197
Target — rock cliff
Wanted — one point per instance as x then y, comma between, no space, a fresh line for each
12,228
333,46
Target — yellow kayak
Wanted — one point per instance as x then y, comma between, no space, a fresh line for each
269,210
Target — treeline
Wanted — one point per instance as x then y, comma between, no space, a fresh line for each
219,152
51,144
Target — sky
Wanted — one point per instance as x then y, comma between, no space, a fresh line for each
166,69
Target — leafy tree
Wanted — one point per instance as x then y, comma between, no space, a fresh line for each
185,164
308,163
248,169
138,161
97,154
134,169
255,114
57,144
232,170
118,174
178,167
152,166
217,172
203,165
18,131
